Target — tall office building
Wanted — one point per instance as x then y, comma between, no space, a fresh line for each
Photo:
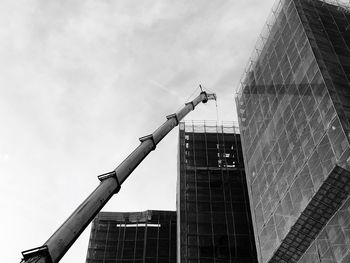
214,221
294,109
139,237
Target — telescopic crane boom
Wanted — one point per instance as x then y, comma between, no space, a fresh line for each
64,237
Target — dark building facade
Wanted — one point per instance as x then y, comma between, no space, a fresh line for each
214,221
138,237
294,107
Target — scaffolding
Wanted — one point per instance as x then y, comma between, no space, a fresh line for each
213,209
294,111
267,36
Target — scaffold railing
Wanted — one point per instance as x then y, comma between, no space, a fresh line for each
260,43
211,126
266,33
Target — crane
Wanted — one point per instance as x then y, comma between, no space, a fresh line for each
64,237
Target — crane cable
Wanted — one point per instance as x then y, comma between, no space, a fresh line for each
204,89
216,104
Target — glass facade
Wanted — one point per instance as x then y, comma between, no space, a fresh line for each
214,220
293,107
138,237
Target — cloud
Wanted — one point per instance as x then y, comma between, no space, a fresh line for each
4,157
82,80
162,87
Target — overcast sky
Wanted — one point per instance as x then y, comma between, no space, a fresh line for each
81,81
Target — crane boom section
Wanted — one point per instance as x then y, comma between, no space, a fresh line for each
59,243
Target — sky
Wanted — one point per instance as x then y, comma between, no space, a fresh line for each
81,81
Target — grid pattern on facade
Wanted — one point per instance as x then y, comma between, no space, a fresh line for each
332,244
324,204
213,208
328,30
293,122
339,3
138,237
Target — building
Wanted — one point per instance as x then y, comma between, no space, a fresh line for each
139,237
294,113
214,221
